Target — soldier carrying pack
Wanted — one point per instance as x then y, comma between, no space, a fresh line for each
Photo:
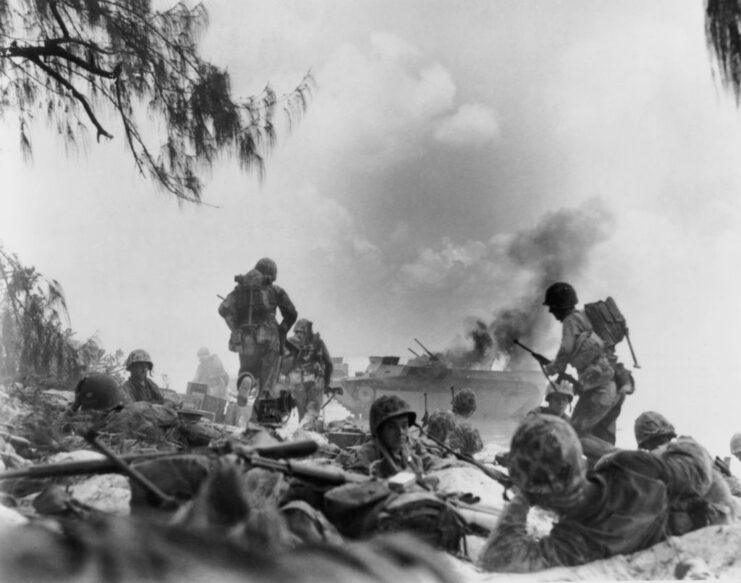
610,325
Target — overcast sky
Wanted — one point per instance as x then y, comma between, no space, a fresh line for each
449,150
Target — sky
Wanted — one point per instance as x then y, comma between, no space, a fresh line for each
454,159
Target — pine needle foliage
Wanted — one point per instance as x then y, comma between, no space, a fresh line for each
723,35
73,61
36,341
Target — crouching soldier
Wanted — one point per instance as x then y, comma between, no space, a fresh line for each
654,433
139,386
390,449
600,401
620,508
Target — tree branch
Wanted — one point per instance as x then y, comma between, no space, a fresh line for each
58,18
54,50
79,96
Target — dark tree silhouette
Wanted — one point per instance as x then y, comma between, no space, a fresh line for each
74,61
723,34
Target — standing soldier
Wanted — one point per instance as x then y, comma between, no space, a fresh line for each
582,348
139,387
312,369
211,373
256,335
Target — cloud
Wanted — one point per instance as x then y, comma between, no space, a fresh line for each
472,124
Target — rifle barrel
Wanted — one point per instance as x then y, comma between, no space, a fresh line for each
105,466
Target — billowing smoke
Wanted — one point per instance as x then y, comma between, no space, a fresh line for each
481,356
556,249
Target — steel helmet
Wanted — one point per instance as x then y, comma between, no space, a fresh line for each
303,325
560,295
268,268
97,391
651,426
464,402
387,407
440,424
203,352
546,461
736,444
139,355
563,388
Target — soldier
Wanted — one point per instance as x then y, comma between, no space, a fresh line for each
390,449
620,508
653,432
211,373
583,349
464,438
256,335
311,369
139,387
559,397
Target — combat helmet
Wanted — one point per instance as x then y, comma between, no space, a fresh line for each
387,407
652,429
305,326
560,295
139,355
565,389
203,352
736,444
440,424
97,391
546,462
268,268
464,403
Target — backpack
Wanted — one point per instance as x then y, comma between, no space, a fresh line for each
607,320
252,298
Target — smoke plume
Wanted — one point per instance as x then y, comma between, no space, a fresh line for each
556,249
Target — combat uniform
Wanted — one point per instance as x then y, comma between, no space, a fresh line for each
211,373
620,508
249,311
598,396
311,371
146,391
368,459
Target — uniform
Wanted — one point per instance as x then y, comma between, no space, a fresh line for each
211,373
598,398
620,508
146,391
311,370
249,311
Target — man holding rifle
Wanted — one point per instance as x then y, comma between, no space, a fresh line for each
582,348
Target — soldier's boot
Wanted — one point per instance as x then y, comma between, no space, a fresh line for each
245,384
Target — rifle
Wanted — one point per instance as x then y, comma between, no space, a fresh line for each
426,416
542,361
503,479
106,466
430,354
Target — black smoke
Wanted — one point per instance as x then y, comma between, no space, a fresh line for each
557,248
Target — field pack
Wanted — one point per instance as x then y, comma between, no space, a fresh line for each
607,320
